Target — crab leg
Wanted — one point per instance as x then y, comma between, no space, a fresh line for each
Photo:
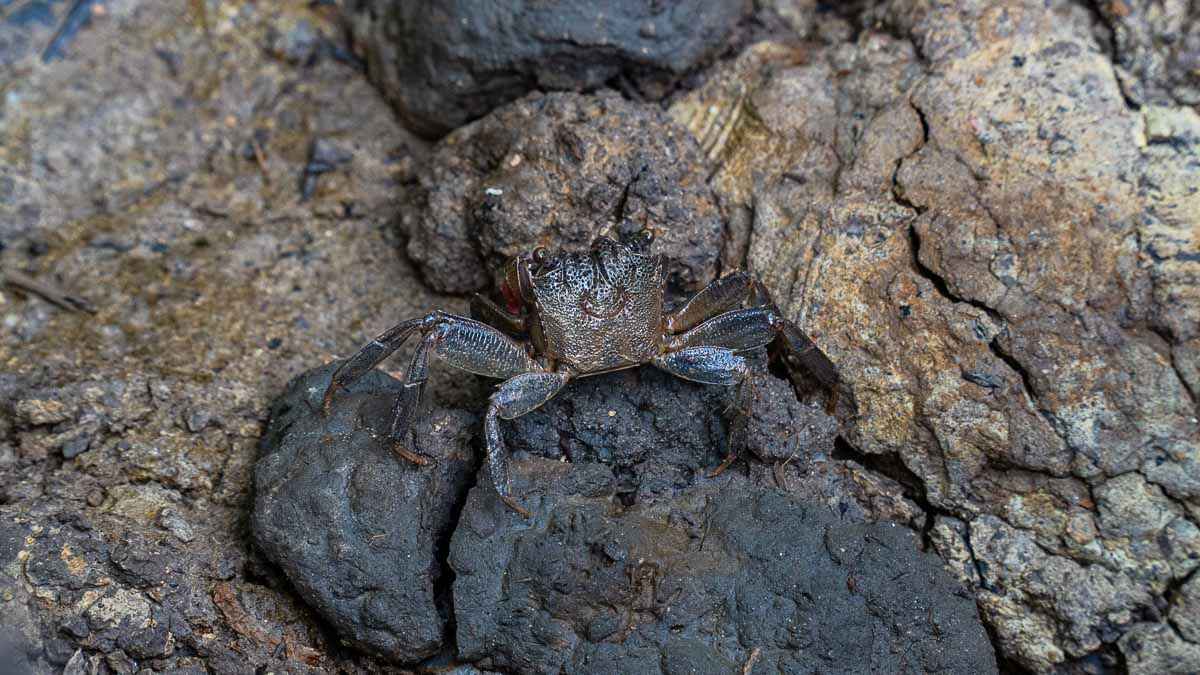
722,295
704,364
353,368
405,408
458,341
715,365
745,329
515,397
750,328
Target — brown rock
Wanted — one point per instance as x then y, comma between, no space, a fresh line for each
960,219
556,170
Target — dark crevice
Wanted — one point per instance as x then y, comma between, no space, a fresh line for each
1171,593
897,190
943,289
1171,597
619,212
1106,659
443,583
1169,346
1015,365
981,567
940,284
1112,49
892,466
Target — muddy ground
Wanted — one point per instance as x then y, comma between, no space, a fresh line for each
987,214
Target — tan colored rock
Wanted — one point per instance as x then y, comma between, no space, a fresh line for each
998,253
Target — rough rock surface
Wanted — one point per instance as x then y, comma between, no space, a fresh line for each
129,177
661,433
724,577
1000,258
353,526
1156,47
960,201
556,170
633,551
443,64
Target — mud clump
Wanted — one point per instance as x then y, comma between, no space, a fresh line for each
556,170
355,527
633,550
724,577
443,64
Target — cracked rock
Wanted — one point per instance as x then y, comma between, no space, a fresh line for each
556,170
1157,49
1185,613
354,526
953,204
446,63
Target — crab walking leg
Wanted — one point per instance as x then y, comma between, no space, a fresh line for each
405,408
369,356
514,398
705,364
722,295
462,343
715,365
750,328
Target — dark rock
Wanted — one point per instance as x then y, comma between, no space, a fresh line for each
445,63
660,432
329,491
355,527
704,581
561,168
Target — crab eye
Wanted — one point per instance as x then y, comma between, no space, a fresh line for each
646,236
539,255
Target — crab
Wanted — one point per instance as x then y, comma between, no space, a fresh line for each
570,315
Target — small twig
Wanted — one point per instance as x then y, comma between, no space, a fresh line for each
260,158
50,294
